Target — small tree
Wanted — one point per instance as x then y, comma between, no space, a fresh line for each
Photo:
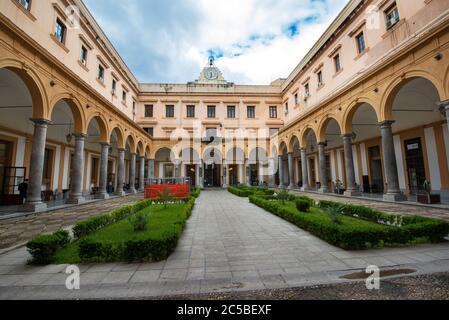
165,197
283,196
139,221
335,213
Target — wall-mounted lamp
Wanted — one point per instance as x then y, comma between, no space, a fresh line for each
438,56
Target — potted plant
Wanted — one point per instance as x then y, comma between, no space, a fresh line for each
339,187
427,197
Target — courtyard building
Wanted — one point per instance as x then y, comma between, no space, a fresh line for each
365,112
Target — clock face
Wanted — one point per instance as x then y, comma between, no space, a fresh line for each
211,74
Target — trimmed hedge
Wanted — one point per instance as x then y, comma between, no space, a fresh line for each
43,247
244,191
302,205
363,236
136,250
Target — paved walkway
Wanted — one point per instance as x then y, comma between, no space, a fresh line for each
406,208
21,229
228,245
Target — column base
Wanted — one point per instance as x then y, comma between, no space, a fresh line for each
34,207
120,193
324,190
291,187
281,186
352,193
133,191
396,197
76,201
305,189
102,196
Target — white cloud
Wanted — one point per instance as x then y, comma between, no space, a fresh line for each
168,41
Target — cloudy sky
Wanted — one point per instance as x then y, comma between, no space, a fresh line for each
253,41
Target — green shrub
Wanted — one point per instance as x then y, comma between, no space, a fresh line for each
358,234
302,205
139,221
43,247
283,196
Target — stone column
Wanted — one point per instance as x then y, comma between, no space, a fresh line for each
201,174
444,108
271,173
142,174
176,169
120,172
248,173
291,177
102,192
34,198
351,189
150,168
240,173
76,188
390,166
225,176
281,173
305,172
323,172
132,174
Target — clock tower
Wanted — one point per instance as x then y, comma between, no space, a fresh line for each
211,74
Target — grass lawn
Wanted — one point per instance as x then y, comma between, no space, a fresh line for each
162,223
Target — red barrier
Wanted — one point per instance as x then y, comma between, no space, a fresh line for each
179,191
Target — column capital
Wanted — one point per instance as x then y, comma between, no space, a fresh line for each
80,135
38,121
443,105
386,123
347,136
105,144
322,144
121,149
303,149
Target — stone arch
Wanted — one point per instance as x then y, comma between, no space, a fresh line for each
352,109
147,151
76,109
105,137
212,154
190,155
235,155
33,83
258,154
140,148
386,112
283,148
161,155
132,142
322,127
120,136
304,134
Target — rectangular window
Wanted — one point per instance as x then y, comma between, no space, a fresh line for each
296,99
114,86
273,112
251,112
83,55
392,15
170,111
273,131
361,45
134,108
320,78
60,31
231,112
124,96
148,111
190,111
286,108
337,63
25,4
100,73
150,131
307,90
211,111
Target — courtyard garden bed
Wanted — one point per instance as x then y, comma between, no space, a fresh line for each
146,231
352,227
246,191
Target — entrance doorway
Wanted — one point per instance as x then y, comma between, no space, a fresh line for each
212,177
377,178
233,175
312,172
191,174
415,165
5,161
253,173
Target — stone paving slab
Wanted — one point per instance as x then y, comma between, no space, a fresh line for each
228,245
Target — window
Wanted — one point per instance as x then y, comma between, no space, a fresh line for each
124,96
170,111
273,131
190,111
307,90
320,78
100,73
361,45
392,15
296,99
231,112
211,111
148,111
114,86
25,4
337,63
150,131
60,31
286,108
83,55
273,112
134,108
251,112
